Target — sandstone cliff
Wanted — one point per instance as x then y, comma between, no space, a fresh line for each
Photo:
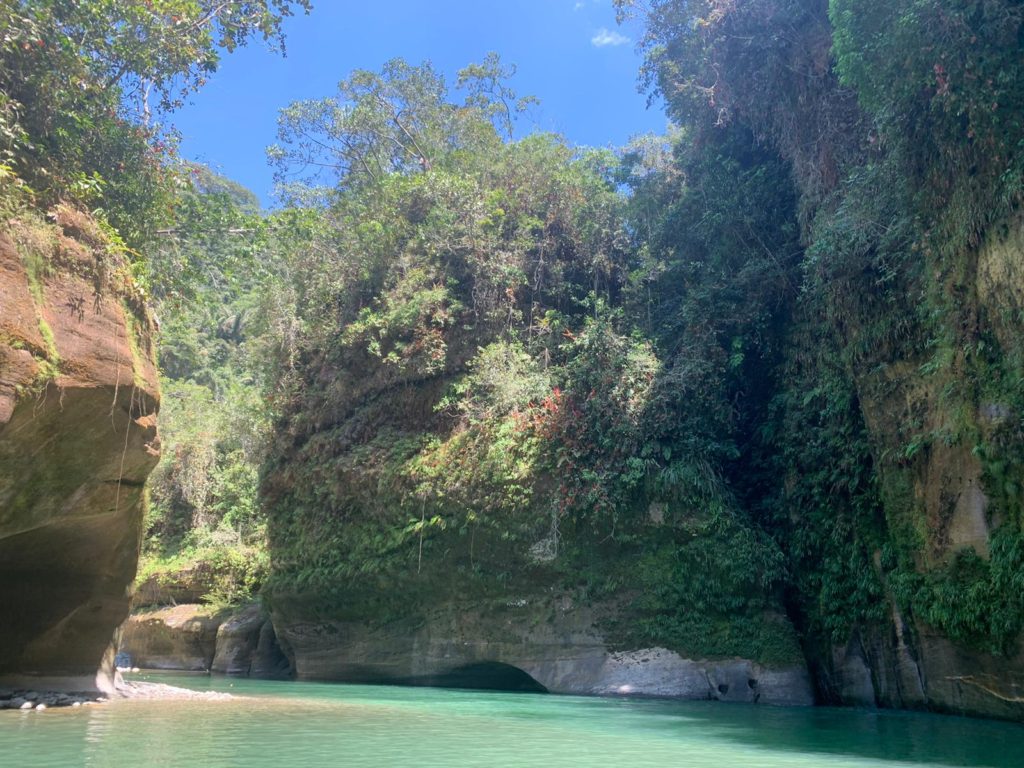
78,401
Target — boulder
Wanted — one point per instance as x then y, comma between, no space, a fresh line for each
237,640
197,638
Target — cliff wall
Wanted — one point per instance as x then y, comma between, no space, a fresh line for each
948,442
78,402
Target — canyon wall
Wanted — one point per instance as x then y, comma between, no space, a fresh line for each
78,401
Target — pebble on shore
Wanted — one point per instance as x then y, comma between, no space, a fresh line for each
40,701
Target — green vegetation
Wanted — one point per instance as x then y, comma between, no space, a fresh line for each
474,409
214,279
902,124
84,85
745,369
85,93
494,373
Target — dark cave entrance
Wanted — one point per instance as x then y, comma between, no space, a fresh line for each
486,676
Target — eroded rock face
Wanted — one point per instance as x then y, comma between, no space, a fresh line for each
181,637
196,638
78,402
237,639
563,652
184,586
875,669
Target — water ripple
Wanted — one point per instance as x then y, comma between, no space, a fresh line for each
305,724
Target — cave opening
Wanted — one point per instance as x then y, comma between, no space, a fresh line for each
486,676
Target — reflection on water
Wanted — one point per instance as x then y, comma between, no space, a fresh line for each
308,724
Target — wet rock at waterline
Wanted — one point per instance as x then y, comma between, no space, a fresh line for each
923,671
23,699
511,648
40,701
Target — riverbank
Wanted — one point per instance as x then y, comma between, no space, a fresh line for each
30,699
25,699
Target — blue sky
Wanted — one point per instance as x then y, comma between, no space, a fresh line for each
570,54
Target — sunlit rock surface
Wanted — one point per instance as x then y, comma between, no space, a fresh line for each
78,402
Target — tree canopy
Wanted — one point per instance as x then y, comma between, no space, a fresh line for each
82,85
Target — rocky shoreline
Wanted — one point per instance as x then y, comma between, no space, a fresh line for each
26,699
164,692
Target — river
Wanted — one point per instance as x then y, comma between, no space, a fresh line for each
311,724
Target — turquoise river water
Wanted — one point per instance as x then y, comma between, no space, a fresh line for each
310,724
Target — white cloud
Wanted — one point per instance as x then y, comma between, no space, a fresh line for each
580,4
605,37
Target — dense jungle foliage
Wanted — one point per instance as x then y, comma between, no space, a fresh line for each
710,378
902,126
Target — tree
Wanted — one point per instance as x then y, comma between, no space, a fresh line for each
80,83
489,91
400,120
